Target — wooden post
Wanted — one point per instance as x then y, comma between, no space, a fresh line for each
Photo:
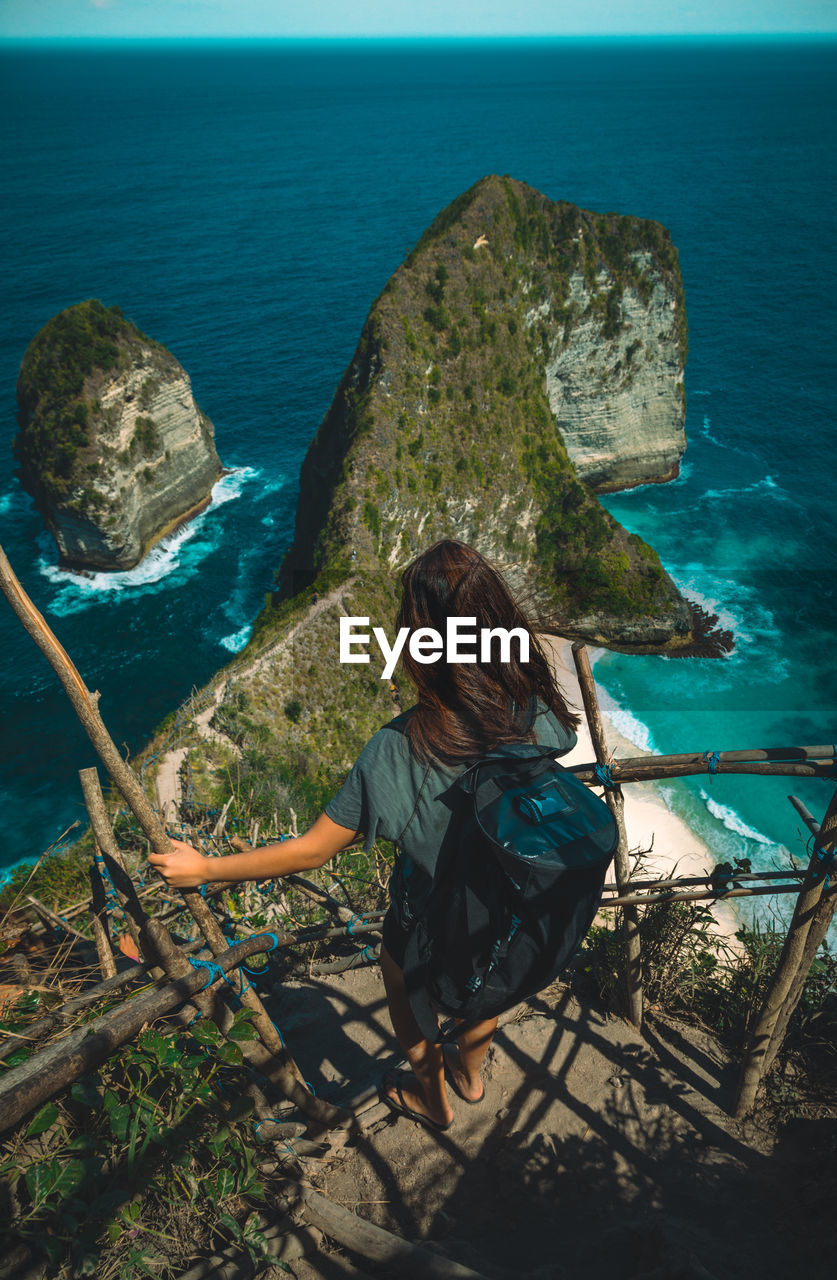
47,1072
105,842
616,803
801,945
85,705
820,922
99,923
399,1256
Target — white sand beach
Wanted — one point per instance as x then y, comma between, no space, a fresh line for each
664,841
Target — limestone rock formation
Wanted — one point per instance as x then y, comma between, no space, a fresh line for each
616,389
520,337
112,445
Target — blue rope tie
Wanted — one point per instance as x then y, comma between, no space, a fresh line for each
368,953
604,776
713,760
352,921
215,971
827,860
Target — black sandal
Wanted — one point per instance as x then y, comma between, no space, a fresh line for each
397,1080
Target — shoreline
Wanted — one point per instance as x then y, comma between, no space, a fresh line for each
665,842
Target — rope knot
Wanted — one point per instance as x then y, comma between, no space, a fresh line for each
604,776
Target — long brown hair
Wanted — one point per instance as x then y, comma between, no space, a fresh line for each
465,709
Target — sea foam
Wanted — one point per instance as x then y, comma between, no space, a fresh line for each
236,642
79,590
625,722
731,820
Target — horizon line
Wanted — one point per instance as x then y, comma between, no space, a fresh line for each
390,38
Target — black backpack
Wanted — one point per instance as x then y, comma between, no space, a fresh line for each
517,884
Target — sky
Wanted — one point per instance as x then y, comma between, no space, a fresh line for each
323,18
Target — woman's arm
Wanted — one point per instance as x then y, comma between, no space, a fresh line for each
185,868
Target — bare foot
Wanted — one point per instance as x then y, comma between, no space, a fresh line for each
468,1090
404,1094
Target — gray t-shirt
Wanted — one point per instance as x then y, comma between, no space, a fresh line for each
389,795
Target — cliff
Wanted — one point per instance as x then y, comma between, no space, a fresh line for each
523,347
443,425
112,446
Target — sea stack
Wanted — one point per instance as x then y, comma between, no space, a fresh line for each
112,446
526,354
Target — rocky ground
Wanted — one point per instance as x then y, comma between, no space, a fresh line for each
597,1151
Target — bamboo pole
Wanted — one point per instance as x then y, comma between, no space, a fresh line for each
287,1074
415,1262
823,915
820,922
764,1042
705,895
211,1005
105,844
61,1014
85,705
54,921
650,768
616,803
47,1072
776,755
713,879
99,923
805,814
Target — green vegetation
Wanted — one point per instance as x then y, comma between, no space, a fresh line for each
689,973
466,337
107,1176
156,1157
58,403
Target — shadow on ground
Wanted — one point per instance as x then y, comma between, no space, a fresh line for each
597,1151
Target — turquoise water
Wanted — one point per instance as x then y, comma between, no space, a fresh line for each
244,205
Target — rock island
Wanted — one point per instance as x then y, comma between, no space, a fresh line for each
112,446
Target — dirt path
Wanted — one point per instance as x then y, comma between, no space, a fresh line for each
167,780
597,1152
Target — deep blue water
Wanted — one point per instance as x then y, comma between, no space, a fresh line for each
244,204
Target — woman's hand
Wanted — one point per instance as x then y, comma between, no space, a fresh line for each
183,869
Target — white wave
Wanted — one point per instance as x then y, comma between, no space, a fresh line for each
274,485
707,434
711,593
78,590
766,486
236,642
682,476
231,485
731,820
739,610
625,722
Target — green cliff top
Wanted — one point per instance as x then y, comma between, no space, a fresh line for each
56,392
442,427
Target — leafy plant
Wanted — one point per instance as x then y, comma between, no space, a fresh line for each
100,1180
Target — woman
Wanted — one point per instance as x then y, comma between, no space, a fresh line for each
395,791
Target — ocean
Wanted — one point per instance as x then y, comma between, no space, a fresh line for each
245,202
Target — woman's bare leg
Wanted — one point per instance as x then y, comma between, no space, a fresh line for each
425,1058
465,1058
